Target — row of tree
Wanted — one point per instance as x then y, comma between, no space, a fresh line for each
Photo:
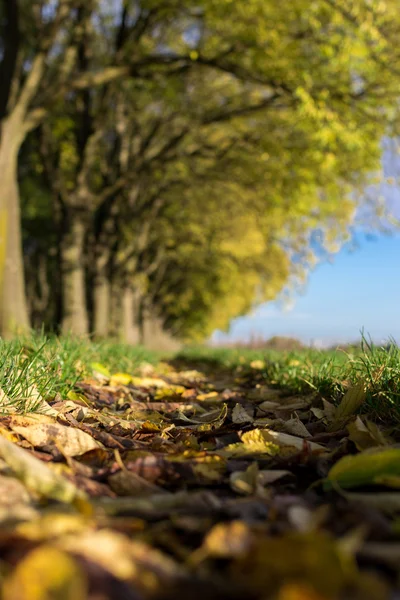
165,164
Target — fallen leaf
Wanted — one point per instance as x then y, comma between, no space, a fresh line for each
30,419
120,379
367,468
318,412
282,439
126,559
214,421
209,396
240,415
39,477
301,518
269,406
53,525
257,364
310,559
245,482
69,440
100,371
267,476
228,539
149,382
329,410
127,483
351,402
294,591
16,503
252,442
34,580
366,434
296,427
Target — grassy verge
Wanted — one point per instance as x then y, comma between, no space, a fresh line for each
53,365
328,372
50,365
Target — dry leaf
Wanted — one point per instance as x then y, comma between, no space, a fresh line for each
126,559
34,579
351,402
37,476
284,439
228,539
240,415
366,434
371,467
68,440
311,559
296,427
245,482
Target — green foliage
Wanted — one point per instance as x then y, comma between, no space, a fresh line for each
236,135
40,367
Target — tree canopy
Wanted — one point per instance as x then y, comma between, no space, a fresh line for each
187,155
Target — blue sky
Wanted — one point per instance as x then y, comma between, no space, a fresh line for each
359,289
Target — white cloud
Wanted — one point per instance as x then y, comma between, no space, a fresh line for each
268,311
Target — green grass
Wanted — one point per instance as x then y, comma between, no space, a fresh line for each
327,372
53,365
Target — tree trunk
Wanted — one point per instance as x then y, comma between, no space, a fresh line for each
153,334
130,316
101,299
13,306
116,310
75,317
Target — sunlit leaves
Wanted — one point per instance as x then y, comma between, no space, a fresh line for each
373,467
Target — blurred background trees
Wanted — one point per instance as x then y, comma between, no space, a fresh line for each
164,165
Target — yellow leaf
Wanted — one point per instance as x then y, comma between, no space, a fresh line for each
294,591
172,390
312,559
257,364
209,396
217,420
46,573
281,439
126,559
228,539
37,476
69,440
52,525
100,371
207,472
252,442
120,379
148,382
367,468
351,402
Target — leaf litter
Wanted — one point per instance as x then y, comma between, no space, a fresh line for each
185,483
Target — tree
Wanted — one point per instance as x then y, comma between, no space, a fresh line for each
306,61
41,46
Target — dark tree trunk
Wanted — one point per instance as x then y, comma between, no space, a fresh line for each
75,316
13,307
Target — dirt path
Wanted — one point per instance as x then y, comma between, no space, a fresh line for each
196,482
